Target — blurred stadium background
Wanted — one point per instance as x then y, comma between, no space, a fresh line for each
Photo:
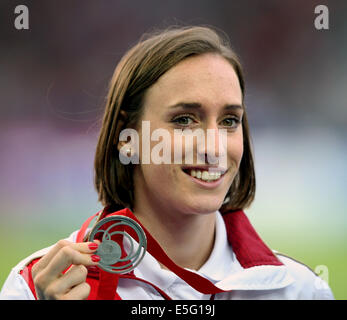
54,77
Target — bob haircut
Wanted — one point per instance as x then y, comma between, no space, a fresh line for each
138,70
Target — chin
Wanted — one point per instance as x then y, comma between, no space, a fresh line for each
205,206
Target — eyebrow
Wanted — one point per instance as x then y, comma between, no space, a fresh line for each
196,105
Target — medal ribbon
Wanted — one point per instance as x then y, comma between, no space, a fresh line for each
196,281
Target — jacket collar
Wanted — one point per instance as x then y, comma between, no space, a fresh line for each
261,269
258,267
249,248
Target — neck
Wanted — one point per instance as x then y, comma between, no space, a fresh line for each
186,238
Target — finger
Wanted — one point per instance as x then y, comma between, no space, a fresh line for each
43,262
66,257
76,275
79,292
83,247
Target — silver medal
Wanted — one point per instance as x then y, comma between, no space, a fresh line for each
110,251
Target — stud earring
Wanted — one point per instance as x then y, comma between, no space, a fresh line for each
226,200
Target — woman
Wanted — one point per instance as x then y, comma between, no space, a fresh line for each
177,79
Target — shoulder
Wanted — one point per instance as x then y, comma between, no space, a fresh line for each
307,285
15,286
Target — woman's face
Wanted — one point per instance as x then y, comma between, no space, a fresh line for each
200,92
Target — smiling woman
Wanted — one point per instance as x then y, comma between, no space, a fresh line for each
200,242
152,61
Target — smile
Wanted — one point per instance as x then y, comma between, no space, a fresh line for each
211,177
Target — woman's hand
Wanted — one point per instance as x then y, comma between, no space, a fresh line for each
51,283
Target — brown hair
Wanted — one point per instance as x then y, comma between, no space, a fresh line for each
139,69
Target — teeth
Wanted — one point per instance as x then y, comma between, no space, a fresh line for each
205,175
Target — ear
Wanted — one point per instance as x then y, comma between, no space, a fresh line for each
120,145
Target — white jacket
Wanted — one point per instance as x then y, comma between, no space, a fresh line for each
245,280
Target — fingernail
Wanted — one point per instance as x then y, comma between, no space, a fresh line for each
93,246
95,258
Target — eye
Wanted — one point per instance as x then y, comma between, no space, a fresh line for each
184,120
231,122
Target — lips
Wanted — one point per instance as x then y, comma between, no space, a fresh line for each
205,174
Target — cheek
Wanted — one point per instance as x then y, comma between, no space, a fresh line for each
235,149
161,182
158,176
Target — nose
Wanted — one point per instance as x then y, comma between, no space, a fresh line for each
214,150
